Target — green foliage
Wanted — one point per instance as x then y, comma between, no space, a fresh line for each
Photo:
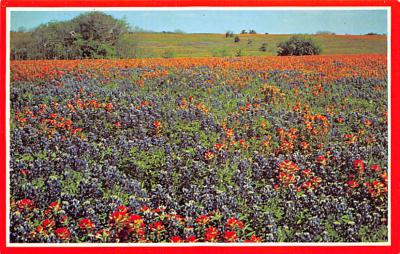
238,52
220,53
168,54
263,47
90,35
126,47
298,46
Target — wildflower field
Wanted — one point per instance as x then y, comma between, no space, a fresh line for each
247,149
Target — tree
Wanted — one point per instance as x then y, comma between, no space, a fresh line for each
298,46
90,35
19,45
325,33
252,31
228,34
243,31
127,46
99,32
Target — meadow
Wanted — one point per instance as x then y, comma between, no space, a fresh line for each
206,149
217,45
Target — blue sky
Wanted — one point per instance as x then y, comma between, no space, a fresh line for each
219,21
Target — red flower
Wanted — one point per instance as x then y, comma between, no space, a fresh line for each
307,172
359,165
219,146
136,221
24,171
47,223
145,208
117,124
307,185
203,219
64,219
108,107
288,167
157,124
25,204
157,226
176,239
375,168
191,239
208,155
86,224
253,239
384,176
118,217
54,206
211,234
339,120
321,160
62,233
234,223
353,184
230,236
229,133
39,229
122,208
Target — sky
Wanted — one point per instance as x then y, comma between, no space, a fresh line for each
220,21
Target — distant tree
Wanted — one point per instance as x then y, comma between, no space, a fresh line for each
266,33
20,45
298,46
243,31
263,47
179,31
228,34
126,46
21,29
237,39
252,31
325,33
371,33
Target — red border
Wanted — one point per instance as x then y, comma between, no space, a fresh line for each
395,121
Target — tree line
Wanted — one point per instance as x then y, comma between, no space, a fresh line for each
89,35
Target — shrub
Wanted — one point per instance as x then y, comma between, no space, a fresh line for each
168,54
263,47
237,39
298,46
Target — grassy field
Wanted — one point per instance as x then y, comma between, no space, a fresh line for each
204,45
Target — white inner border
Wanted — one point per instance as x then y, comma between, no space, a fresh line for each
8,25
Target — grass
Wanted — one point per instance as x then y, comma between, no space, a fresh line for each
207,45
